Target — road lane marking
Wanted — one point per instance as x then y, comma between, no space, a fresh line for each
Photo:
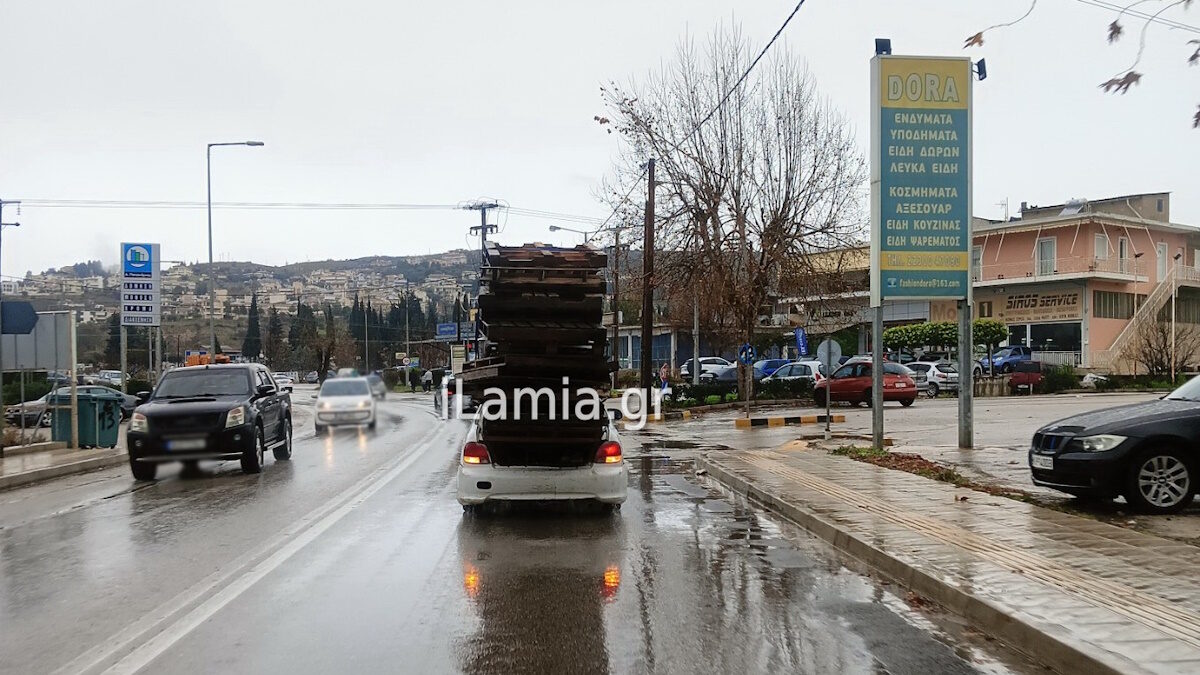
138,644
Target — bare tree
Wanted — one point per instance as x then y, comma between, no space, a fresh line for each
757,173
1126,10
1151,348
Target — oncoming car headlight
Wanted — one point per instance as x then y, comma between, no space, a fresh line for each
1100,442
236,417
138,422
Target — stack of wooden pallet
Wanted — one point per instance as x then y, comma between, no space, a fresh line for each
540,313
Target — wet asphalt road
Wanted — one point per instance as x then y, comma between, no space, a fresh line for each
355,557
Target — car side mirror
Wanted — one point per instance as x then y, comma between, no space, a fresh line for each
142,396
287,388
265,390
616,415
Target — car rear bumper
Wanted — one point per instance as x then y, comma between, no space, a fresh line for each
224,444
608,483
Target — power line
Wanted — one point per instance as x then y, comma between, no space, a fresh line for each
293,206
1170,23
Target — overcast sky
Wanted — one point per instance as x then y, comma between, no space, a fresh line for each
439,102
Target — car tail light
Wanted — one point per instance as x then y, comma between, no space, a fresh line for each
609,452
476,453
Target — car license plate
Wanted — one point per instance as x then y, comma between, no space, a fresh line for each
901,385
187,444
1042,462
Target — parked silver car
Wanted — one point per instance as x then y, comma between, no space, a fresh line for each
935,377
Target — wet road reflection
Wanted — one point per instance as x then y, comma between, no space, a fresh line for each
683,579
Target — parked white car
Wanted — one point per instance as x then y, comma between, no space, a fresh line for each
708,364
345,401
813,371
939,376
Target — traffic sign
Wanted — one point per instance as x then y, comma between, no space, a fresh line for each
447,332
828,353
404,361
400,355
18,317
747,354
141,285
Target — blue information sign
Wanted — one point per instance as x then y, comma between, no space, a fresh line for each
447,331
801,342
921,178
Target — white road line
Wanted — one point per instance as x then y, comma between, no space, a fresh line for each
139,643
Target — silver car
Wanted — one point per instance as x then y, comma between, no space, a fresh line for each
935,377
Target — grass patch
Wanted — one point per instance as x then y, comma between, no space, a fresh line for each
904,461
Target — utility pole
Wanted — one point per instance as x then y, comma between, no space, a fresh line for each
616,304
695,335
2,204
483,228
366,338
407,311
648,282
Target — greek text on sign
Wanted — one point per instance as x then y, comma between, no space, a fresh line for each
141,285
920,170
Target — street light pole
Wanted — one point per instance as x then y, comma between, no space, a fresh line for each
212,277
2,226
1174,292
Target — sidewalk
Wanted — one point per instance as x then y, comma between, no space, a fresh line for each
22,469
1076,594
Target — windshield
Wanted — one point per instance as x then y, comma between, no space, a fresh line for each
947,368
1002,353
896,369
345,388
186,384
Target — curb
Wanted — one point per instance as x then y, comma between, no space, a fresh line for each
748,422
43,446
1011,629
45,473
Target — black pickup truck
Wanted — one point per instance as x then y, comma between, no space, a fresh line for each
231,411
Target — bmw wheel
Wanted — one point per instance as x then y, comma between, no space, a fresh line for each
1160,481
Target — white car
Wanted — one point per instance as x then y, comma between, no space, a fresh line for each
345,401
812,371
483,478
939,376
282,380
708,364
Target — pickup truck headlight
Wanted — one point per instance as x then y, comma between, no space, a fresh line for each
236,417
138,422
1100,442
364,404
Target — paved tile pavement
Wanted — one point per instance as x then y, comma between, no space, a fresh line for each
1074,592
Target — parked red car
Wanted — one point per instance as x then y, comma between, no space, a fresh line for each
1026,376
852,382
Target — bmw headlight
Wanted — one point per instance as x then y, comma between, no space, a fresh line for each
236,417
138,422
1100,442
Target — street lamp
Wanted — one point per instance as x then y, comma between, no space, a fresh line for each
586,235
212,277
1174,292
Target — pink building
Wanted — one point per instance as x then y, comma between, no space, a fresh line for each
1074,280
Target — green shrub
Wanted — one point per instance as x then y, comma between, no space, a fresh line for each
731,397
712,399
627,378
701,392
783,389
392,378
1058,378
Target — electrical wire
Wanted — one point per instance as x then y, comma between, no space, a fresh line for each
1170,23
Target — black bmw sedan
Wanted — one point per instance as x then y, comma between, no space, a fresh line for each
1147,452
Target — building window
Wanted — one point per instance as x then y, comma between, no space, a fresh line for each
1161,249
1123,254
976,262
1045,256
1112,305
1160,205
1102,246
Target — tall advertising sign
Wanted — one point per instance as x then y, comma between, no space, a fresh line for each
141,285
920,178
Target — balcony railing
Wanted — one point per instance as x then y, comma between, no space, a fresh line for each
1045,269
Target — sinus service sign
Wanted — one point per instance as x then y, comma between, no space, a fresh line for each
141,285
920,178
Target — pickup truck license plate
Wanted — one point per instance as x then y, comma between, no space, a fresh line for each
1043,462
186,444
